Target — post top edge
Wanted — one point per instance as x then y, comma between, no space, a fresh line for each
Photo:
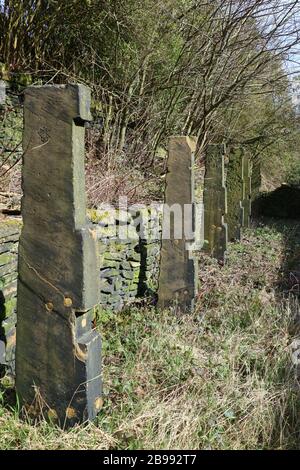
57,86
189,139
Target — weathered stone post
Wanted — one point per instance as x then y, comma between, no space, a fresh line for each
246,191
234,185
215,203
58,349
256,178
178,268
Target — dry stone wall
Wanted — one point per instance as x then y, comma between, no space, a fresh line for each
9,236
129,252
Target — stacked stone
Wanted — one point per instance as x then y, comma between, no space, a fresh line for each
119,261
150,243
9,236
129,249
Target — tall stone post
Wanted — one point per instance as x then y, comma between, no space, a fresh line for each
58,349
255,177
246,191
215,203
234,185
178,267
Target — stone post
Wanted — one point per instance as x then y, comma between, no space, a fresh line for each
246,191
58,349
256,178
215,203
234,185
178,268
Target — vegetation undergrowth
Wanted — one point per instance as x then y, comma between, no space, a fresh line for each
221,378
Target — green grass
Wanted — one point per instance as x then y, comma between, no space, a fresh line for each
221,378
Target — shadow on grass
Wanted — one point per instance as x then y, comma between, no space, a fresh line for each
280,210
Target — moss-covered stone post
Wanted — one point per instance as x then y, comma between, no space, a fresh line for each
178,267
215,203
58,349
234,185
246,191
